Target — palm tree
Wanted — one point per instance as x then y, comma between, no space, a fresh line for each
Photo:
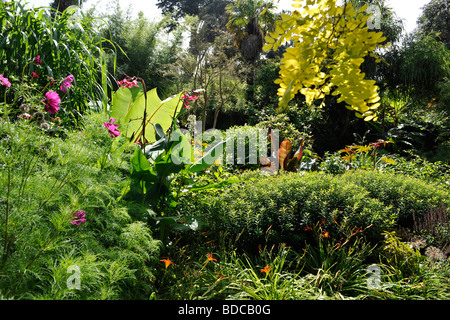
249,21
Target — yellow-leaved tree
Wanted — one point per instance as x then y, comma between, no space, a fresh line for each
330,42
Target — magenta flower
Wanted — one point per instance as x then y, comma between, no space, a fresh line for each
37,60
25,116
187,98
78,218
127,83
4,81
112,128
67,83
52,102
34,75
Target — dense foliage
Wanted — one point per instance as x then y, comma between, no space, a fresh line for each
114,187
66,45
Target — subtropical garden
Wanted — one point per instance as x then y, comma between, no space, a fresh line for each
227,151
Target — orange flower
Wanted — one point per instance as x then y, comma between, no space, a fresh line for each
266,269
210,258
326,234
308,228
167,262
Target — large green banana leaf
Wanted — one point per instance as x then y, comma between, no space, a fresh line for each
128,107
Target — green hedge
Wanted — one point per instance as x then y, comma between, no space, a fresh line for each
279,208
404,193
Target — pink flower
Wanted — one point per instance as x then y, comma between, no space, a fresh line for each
78,218
34,75
25,116
127,83
67,83
4,81
52,102
37,60
112,128
187,98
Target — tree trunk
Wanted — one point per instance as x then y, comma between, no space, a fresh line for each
205,95
216,115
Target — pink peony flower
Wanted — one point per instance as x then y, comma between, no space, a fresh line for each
37,60
67,83
34,75
112,128
4,81
52,102
78,218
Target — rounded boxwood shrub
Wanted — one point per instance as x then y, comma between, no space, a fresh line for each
405,194
270,209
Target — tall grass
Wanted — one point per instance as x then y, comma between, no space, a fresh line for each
66,43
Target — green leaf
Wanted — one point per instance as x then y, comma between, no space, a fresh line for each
212,186
139,162
129,106
208,159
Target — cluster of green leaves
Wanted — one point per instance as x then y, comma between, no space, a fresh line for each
66,43
328,268
46,179
417,68
329,46
405,273
166,151
287,203
404,194
422,169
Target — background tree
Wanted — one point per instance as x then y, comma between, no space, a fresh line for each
215,68
204,9
435,19
61,5
145,48
249,21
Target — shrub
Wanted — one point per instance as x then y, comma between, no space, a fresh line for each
404,194
279,208
417,167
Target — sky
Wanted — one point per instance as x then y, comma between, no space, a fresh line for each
408,10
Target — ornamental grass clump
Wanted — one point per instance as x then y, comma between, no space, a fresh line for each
51,47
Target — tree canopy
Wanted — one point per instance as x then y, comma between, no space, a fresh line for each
435,19
329,46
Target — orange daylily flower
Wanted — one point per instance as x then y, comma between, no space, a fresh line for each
326,234
167,262
210,258
348,149
266,269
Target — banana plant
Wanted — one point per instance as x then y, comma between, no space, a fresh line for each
165,153
157,165
138,110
